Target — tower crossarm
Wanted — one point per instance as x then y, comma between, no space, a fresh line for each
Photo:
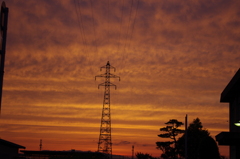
107,84
107,75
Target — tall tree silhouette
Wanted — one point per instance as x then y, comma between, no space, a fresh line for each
200,144
171,130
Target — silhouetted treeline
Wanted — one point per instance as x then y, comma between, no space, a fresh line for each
200,145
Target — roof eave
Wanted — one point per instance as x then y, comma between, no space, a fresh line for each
231,89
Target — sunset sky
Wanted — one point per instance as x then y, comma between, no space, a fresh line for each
174,58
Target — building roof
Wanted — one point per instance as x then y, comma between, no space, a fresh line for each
80,154
64,154
231,89
10,144
49,152
228,138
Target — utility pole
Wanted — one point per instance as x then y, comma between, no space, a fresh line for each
186,137
40,145
105,140
3,25
132,151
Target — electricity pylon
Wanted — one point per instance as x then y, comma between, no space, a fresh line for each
105,140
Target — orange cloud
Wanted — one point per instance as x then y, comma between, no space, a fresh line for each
173,58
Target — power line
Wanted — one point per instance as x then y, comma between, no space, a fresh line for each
119,38
128,25
79,25
134,23
80,21
94,31
108,28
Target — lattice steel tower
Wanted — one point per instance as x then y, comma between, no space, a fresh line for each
105,140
